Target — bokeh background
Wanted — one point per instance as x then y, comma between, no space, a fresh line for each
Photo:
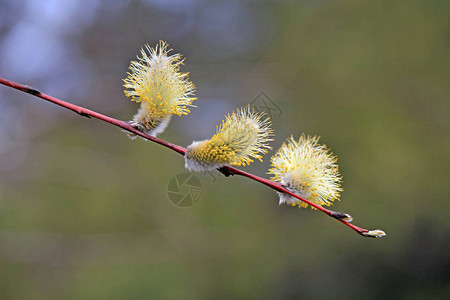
84,212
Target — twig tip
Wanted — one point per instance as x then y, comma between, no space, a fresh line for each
377,233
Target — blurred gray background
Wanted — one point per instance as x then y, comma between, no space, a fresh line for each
84,212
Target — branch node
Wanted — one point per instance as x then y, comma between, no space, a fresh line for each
341,216
30,90
225,171
83,114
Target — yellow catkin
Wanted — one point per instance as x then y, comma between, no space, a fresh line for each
308,169
243,135
155,81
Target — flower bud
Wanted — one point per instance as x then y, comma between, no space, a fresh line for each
377,233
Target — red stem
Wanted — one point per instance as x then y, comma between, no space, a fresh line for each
124,125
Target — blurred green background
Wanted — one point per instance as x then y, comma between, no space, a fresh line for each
84,212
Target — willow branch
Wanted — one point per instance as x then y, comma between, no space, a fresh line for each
227,170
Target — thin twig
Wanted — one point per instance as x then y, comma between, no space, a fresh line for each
227,170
